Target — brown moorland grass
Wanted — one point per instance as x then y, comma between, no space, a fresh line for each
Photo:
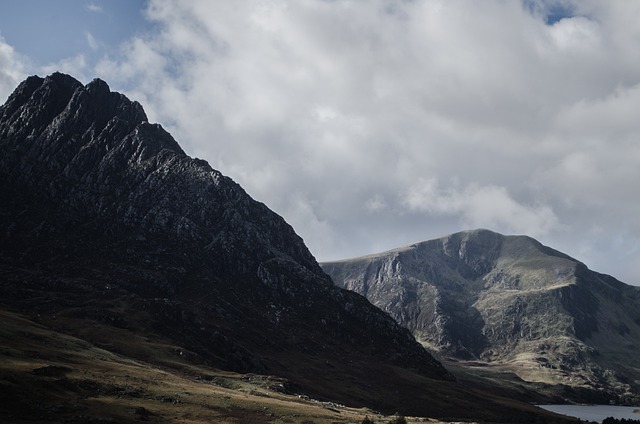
47,376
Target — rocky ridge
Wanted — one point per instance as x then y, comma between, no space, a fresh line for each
485,299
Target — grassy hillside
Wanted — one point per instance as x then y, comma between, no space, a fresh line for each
48,376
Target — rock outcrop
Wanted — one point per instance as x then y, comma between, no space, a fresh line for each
509,301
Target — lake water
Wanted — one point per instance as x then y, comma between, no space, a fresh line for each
595,413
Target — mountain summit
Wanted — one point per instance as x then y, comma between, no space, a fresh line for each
510,303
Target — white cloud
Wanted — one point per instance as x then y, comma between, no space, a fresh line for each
76,66
91,41
12,69
609,118
576,35
373,124
376,203
480,207
95,8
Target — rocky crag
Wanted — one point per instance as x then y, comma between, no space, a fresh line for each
484,299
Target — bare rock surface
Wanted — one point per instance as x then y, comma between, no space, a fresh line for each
509,302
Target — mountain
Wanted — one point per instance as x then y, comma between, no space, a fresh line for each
510,304
111,235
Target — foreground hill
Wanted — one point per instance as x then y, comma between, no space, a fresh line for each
512,303
111,234
73,381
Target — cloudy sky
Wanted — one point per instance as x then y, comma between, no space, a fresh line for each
374,124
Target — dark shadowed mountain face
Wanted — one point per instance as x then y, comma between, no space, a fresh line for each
510,302
109,232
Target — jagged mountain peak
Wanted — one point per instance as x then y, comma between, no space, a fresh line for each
62,133
46,98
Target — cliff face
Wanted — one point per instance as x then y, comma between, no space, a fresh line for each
508,301
110,232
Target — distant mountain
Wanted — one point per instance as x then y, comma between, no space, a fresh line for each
509,302
111,234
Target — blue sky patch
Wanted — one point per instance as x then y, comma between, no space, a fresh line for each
550,11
